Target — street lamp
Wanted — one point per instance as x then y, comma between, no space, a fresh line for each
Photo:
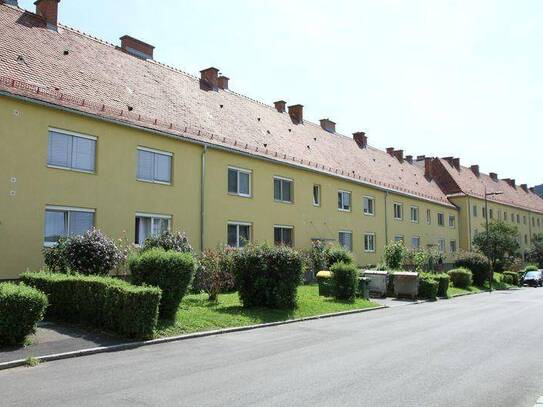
487,194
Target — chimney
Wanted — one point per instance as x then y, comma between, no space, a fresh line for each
399,155
328,125
420,157
532,190
296,113
223,82
281,106
390,151
510,181
10,2
456,163
475,170
210,78
48,9
409,159
524,187
494,176
428,167
136,48
449,160
361,139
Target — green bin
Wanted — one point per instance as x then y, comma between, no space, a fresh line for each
326,284
364,287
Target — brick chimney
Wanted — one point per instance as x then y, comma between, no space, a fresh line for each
456,163
209,78
361,139
532,190
296,113
475,170
280,106
510,181
428,167
409,159
390,151
136,48
524,187
328,125
399,155
48,9
10,2
494,176
222,82
421,157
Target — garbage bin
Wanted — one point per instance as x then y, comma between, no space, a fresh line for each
326,283
378,282
364,287
406,284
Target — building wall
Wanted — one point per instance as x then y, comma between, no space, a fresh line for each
116,196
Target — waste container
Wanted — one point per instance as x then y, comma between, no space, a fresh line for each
364,287
378,282
406,284
326,283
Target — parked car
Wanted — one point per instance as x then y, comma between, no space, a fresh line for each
533,278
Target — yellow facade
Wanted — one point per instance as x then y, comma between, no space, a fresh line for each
116,196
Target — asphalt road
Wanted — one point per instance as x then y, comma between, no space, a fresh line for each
482,350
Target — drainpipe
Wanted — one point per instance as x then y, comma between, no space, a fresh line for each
469,223
202,198
386,218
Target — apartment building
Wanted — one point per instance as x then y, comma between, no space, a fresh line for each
100,135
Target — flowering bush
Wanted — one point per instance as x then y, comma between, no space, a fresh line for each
394,255
214,274
176,241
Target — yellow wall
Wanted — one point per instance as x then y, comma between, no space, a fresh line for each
116,195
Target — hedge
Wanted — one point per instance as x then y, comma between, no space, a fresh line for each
171,271
101,302
477,263
531,267
513,276
461,277
21,308
443,280
428,287
267,276
345,277
338,254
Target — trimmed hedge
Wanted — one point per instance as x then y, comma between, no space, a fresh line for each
267,276
531,267
345,278
169,270
102,302
512,276
461,277
443,280
21,308
338,254
477,263
428,287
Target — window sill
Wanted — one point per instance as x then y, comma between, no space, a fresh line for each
369,251
344,210
368,214
240,195
50,244
57,167
154,182
283,202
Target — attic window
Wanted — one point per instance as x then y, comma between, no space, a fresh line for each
265,144
66,52
267,131
130,108
314,138
258,118
221,106
289,130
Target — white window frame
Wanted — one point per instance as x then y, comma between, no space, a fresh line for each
244,171
399,238
154,151
369,199
319,194
372,249
412,241
451,246
349,193
394,206
453,218
291,189
441,244
414,209
153,217
442,215
238,224
428,216
72,134
66,209
349,232
291,227
475,211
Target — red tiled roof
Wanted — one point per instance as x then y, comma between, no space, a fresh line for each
97,78
472,185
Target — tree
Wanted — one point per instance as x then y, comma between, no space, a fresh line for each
535,254
498,242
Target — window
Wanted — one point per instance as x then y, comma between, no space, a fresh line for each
453,246
148,225
72,151
346,240
282,235
399,238
524,219
61,222
398,211
344,201
238,234
533,221
441,245
415,242
525,239
239,182
154,166
484,212
414,214
505,216
538,222
491,213
369,242
518,218
512,217
474,211
452,221
441,219
368,203
428,216
316,195
282,189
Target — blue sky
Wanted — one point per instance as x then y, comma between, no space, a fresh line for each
435,77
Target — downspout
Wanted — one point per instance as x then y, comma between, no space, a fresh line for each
386,218
469,224
202,198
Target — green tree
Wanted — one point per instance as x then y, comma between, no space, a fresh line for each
499,242
535,254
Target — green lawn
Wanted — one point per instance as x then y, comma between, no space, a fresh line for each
497,285
197,314
454,291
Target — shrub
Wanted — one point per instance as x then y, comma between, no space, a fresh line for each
176,241
55,257
345,276
461,277
317,257
21,308
428,287
507,278
170,271
338,254
214,273
512,276
267,276
326,283
394,255
443,280
477,263
531,267
101,302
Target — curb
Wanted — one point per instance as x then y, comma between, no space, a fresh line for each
133,345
